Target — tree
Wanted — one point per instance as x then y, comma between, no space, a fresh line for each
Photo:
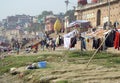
34,27
70,14
41,18
44,14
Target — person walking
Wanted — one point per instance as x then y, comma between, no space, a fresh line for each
17,47
53,44
42,42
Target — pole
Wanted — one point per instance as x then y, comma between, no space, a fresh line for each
108,1
66,2
96,50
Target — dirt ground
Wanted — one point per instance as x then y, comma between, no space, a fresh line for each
74,73
64,70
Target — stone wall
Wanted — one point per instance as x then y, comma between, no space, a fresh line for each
90,14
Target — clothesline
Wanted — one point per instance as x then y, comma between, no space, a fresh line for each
116,42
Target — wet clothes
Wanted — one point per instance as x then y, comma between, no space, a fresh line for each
96,43
73,42
109,42
117,40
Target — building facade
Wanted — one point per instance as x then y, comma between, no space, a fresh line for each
49,23
17,20
99,12
13,33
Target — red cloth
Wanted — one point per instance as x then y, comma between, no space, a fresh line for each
117,39
94,1
35,46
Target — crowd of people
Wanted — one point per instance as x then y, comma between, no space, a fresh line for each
36,44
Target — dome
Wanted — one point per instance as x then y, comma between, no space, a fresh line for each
94,1
83,2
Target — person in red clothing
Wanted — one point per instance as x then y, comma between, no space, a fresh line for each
36,47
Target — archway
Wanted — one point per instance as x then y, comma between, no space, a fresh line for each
98,18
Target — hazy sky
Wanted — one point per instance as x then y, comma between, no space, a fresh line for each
32,7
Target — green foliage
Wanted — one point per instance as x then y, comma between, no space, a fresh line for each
101,58
99,55
41,19
40,25
115,60
44,14
18,61
35,27
62,81
27,72
103,55
79,53
15,61
70,13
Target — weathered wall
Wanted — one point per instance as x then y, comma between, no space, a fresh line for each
91,14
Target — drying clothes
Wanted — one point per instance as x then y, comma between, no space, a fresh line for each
73,42
117,40
57,41
67,42
109,42
116,24
97,43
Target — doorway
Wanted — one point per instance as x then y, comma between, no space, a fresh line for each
98,18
